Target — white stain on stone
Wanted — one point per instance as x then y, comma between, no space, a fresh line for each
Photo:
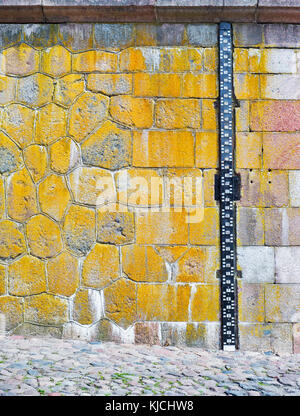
152,59
74,330
285,228
2,325
96,301
125,336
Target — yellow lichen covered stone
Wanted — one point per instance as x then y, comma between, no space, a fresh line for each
161,228
180,59
46,309
68,88
2,198
26,276
92,186
95,61
246,86
131,111
51,124
206,232
101,266
18,122
115,227
210,56
178,114
12,308
205,303
177,149
199,264
54,196
63,274
139,187
86,306
86,113
251,302
35,90
20,60
199,85
206,150
157,302
56,61
35,158
132,60
209,115
10,155
21,196
171,254
64,155
12,242
143,264
157,85
110,84
79,229
120,302
7,89
2,280
43,236
108,147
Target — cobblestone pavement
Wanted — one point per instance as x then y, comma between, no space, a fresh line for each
52,367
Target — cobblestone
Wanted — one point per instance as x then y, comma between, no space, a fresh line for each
53,367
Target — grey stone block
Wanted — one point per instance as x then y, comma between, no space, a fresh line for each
76,37
202,34
40,35
113,35
287,263
247,34
257,264
10,34
282,303
282,35
250,227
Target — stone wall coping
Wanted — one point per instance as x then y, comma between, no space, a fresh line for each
151,11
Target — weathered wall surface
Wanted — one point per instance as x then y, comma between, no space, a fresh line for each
267,83
87,102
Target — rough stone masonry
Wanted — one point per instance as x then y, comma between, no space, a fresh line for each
82,102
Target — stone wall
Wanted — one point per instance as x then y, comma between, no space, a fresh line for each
87,103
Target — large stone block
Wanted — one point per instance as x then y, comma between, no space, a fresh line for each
101,266
26,276
157,85
64,155
248,150
161,228
280,87
63,274
79,229
36,161
108,147
12,307
113,35
266,337
209,115
246,86
18,122
110,84
177,151
94,61
92,186
120,302
198,264
35,90
115,227
143,264
7,89
284,35
282,226
20,60
87,112
199,85
273,61
251,299
287,261
250,226
10,155
56,61
21,196
281,150
12,242
282,303
46,309
163,302
257,264
294,187
205,303
68,88
54,196
207,150
51,124
131,111
247,34
206,232
178,114
43,237
74,36
276,116
202,34
87,306
40,35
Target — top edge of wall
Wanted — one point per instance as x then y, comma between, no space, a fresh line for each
149,11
